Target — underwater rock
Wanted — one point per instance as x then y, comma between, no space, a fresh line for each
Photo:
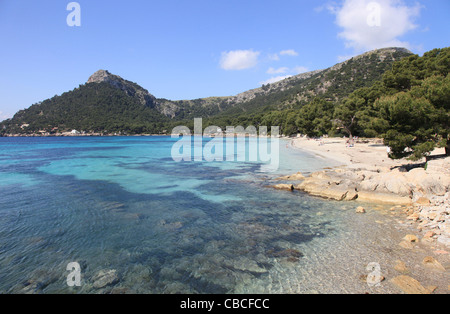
401,267
409,285
38,282
431,263
290,254
105,278
360,210
171,226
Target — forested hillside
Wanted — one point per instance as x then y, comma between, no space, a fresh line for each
109,104
409,107
387,93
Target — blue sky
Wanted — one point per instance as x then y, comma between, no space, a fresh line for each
180,49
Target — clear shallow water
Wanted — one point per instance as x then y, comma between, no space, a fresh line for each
165,227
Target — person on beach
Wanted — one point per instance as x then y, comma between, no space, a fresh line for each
350,143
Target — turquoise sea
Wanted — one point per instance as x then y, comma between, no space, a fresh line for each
123,204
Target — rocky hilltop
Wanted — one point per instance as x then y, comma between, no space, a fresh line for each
130,88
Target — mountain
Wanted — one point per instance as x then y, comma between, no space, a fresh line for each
130,88
108,103
334,83
105,104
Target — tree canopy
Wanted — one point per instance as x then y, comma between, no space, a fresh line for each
407,105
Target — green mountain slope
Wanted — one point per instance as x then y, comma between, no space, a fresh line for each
99,106
109,104
334,83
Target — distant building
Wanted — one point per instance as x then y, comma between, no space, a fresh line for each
74,132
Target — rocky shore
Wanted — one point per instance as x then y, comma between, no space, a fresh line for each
421,191
417,193
422,194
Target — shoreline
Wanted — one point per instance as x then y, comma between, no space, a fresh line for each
367,153
420,197
368,175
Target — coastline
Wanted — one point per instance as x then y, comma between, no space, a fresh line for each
369,154
368,175
419,197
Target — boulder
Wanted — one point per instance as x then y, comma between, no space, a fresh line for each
401,267
406,245
428,184
431,263
423,201
411,238
360,210
289,187
390,182
432,216
445,240
323,175
312,186
323,188
333,192
396,182
369,185
414,217
105,278
409,285
294,177
351,195
383,198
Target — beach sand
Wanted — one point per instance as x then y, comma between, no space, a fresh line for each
371,155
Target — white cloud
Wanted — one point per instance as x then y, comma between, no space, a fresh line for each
369,24
275,79
328,6
274,57
289,52
277,71
239,59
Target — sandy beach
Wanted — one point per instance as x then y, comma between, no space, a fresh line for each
370,154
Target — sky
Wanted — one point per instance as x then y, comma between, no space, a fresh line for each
179,49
